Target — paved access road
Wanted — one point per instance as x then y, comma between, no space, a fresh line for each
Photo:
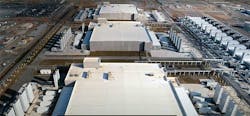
14,73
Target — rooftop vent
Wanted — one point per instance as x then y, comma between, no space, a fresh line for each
93,62
102,20
85,75
106,3
150,74
111,25
106,76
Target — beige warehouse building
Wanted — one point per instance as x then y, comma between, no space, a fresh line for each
122,36
117,11
120,89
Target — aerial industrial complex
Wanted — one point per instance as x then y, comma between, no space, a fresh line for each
128,57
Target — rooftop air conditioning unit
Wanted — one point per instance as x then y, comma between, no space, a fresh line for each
91,62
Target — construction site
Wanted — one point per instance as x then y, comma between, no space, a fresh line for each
118,55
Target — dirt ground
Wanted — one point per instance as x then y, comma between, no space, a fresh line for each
191,79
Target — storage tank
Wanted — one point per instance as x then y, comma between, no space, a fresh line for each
205,110
198,21
45,71
24,99
18,107
217,94
83,27
10,112
205,18
47,98
239,53
29,92
210,29
193,22
50,93
177,41
232,107
225,29
212,21
201,104
239,46
232,42
219,35
247,26
179,46
194,19
214,31
216,24
56,77
224,40
193,93
212,84
188,19
159,17
219,26
204,25
230,32
42,110
198,98
207,27
236,36
45,103
78,38
239,112
174,38
245,57
224,102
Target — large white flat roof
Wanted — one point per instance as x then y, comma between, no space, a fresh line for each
186,102
128,90
118,8
120,31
